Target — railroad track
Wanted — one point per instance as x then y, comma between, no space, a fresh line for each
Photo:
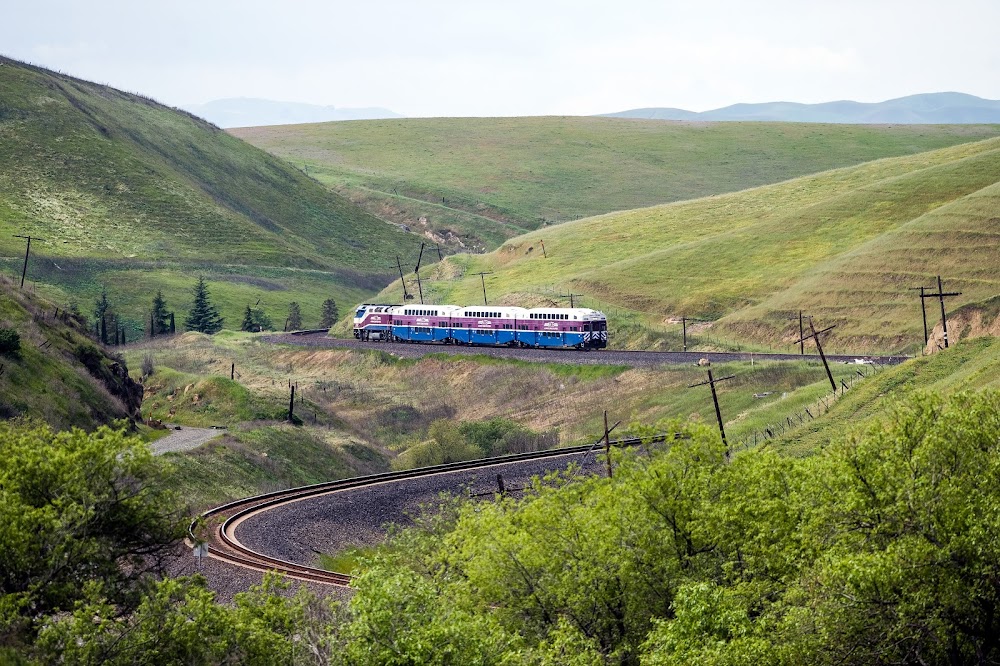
223,520
604,357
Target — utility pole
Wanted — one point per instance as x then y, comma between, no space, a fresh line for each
819,347
420,287
607,442
26,253
482,276
438,248
544,253
715,398
940,296
684,326
802,342
406,295
923,311
570,297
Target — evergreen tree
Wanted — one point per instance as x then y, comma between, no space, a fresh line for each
160,318
248,320
294,317
203,317
255,319
262,321
330,314
102,309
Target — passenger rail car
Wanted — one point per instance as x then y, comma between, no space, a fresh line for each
579,328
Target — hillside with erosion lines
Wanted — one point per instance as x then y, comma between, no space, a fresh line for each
844,246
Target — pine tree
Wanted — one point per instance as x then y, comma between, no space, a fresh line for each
294,317
204,317
248,320
102,308
160,318
330,314
261,320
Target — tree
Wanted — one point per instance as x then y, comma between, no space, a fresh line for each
248,321
255,319
102,309
294,317
160,318
204,317
330,314
82,514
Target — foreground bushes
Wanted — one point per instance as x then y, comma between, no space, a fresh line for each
884,549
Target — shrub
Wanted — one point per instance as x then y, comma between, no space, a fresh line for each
10,342
147,365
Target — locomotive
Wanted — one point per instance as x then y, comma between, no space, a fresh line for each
573,328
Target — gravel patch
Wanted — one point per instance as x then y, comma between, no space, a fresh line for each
183,438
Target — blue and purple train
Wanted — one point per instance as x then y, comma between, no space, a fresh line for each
573,328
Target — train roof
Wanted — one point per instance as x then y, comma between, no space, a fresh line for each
487,311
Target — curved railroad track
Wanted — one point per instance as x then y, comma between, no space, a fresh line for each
635,359
222,521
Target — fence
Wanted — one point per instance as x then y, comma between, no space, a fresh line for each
818,408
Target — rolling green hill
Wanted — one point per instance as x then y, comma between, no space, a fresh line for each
479,181
133,195
844,245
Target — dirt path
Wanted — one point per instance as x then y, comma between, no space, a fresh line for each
184,439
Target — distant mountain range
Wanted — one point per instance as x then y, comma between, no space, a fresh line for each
250,112
930,108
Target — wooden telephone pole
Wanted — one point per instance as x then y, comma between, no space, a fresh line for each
923,310
819,347
715,398
406,295
940,295
570,297
24,270
482,276
419,280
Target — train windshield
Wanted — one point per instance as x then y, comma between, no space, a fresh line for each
359,314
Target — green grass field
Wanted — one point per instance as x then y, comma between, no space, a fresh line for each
844,245
135,196
479,181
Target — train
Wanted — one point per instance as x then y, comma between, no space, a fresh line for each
488,325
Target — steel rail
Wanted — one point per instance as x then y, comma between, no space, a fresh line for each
229,549
693,356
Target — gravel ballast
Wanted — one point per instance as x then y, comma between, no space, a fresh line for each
635,359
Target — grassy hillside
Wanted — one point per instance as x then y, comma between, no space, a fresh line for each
971,365
133,195
479,181
59,375
369,410
844,245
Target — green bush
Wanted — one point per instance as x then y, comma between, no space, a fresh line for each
885,549
10,342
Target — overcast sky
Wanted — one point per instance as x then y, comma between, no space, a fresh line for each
509,57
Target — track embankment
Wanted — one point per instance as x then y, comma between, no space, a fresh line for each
286,530
635,359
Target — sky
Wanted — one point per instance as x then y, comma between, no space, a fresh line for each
514,57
